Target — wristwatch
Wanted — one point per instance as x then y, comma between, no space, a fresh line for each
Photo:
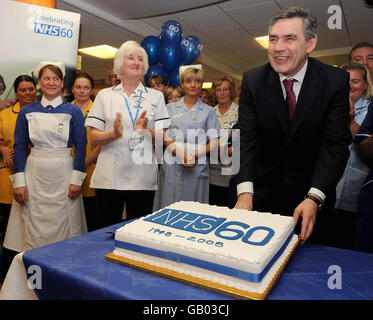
318,202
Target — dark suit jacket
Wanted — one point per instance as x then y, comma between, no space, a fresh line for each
312,151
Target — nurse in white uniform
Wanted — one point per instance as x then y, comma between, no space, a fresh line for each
48,205
224,90
127,120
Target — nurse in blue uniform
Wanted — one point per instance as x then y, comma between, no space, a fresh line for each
192,136
48,205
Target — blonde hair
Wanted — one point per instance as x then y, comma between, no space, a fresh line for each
366,76
191,73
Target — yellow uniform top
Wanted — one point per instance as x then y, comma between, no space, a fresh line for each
86,190
8,118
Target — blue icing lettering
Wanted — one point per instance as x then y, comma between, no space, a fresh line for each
237,233
264,241
164,217
202,225
187,221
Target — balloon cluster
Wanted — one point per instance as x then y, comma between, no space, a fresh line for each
169,51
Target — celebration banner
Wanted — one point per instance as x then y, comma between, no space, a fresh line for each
31,34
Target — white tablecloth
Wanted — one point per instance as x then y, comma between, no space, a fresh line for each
15,286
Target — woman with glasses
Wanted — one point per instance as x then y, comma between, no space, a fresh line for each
83,90
127,120
193,133
48,206
224,91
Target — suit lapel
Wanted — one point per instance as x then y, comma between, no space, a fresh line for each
276,99
307,95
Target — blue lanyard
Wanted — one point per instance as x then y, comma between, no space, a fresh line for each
129,110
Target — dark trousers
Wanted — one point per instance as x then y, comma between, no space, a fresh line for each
232,194
218,196
90,209
284,198
6,261
343,234
110,205
6,254
364,220
4,217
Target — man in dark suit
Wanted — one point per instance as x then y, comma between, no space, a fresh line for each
294,134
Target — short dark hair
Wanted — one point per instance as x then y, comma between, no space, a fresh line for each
363,44
21,78
309,19
84,75
3,82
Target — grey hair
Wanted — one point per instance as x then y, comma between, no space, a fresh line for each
309,20
125,49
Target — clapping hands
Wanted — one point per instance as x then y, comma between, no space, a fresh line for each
141,122
118,126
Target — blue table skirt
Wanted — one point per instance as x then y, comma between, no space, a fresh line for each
76,269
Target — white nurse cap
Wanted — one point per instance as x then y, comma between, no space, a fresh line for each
194,66
58,64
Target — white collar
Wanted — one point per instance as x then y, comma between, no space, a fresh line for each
299,76
140,87
54,103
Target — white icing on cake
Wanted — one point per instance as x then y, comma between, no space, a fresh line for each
211,247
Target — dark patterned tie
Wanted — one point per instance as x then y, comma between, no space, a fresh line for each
291,101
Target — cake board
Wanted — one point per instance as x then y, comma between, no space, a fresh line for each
216,287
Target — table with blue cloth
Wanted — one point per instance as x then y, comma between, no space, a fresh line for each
76,269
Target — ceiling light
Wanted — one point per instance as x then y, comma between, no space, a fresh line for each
103,51
263,41
207,85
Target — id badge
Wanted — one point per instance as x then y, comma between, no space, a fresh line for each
135,142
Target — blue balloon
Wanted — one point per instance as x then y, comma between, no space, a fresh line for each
170,55
174,78
190,48
152,46
154,70
171,31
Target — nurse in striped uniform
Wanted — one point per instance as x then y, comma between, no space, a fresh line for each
48,205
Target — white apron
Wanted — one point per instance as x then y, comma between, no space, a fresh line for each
49,214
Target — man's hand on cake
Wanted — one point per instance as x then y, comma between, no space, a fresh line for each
307,209
245,201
